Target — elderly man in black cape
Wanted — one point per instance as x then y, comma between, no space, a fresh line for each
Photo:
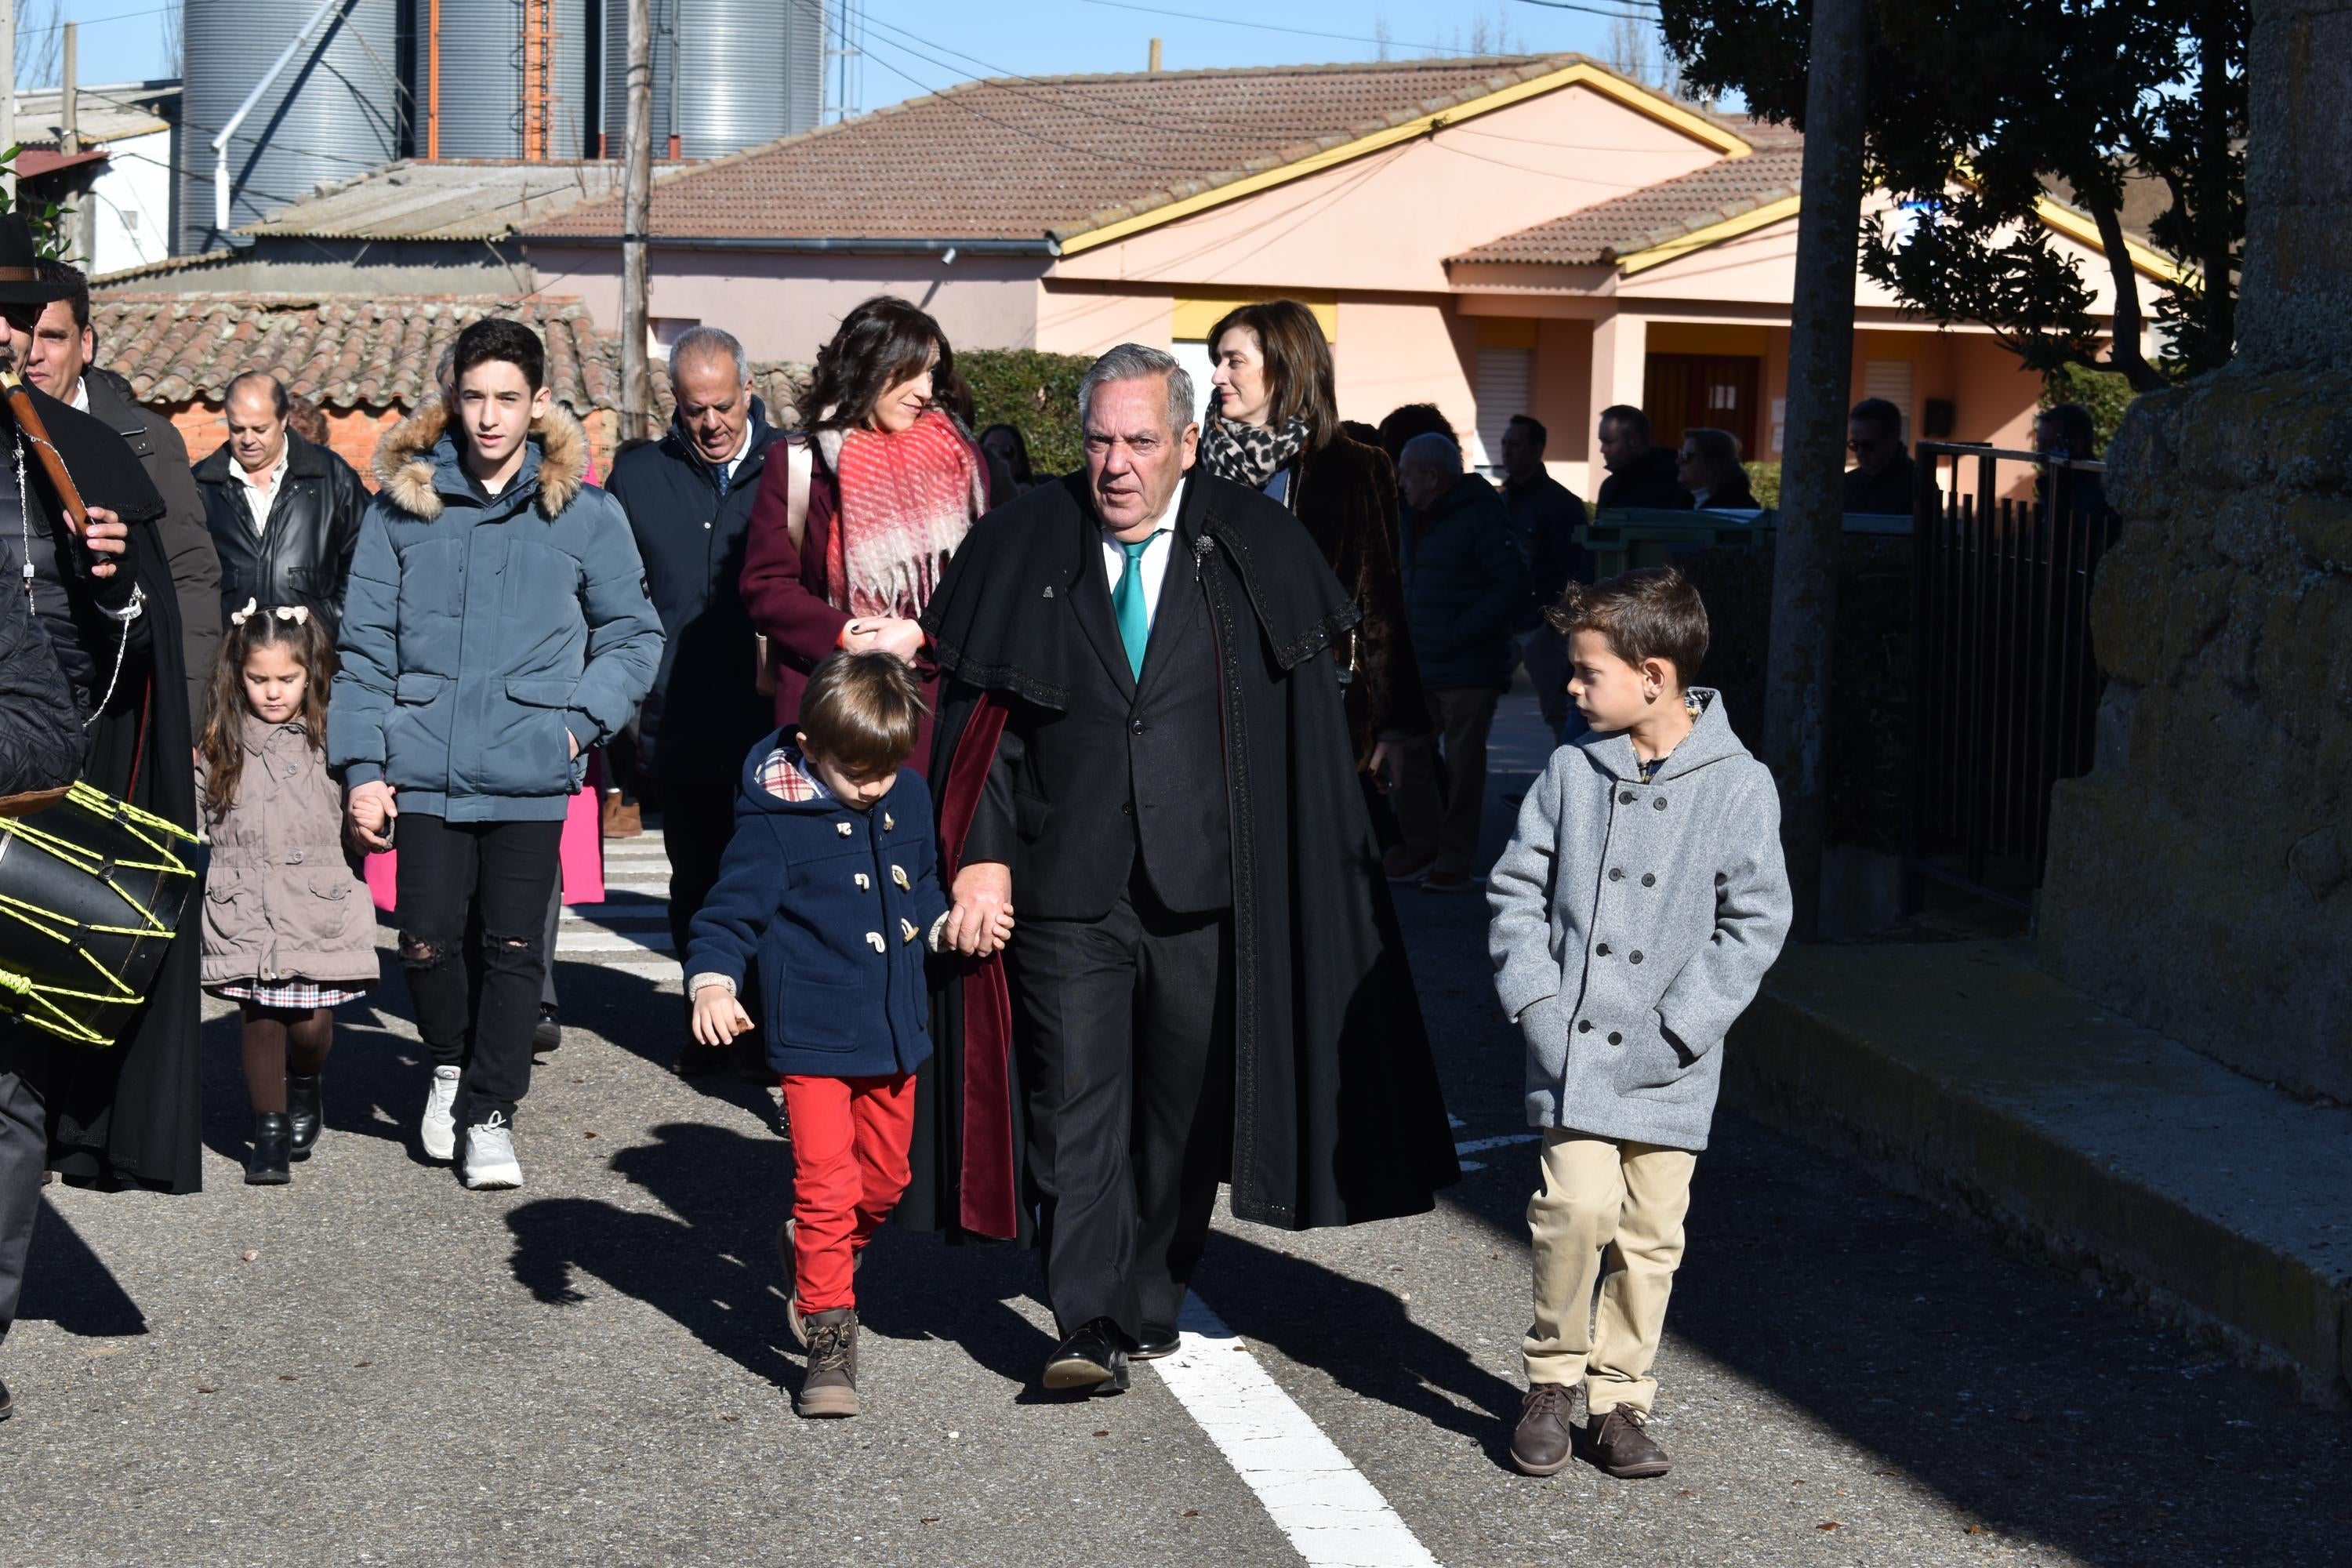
106,612
1142,743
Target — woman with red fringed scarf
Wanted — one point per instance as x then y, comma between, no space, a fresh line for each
885,484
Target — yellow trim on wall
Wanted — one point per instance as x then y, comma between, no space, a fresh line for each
1642,101
2074,226
1200,310
1713,234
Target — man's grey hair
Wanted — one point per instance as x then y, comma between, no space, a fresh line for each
697,343
1133,361
1435,452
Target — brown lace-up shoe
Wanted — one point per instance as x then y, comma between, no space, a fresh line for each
831,1386
1544,1440
1617,1445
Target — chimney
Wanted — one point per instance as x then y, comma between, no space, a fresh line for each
1155,55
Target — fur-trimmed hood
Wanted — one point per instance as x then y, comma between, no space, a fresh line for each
409,468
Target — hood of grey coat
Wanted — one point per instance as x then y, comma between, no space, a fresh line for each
1710,741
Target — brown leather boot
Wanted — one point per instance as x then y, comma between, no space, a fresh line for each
831,1386
1544,1440
621,820
1617,1446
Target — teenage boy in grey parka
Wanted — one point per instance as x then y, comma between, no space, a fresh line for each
496,626
1641,900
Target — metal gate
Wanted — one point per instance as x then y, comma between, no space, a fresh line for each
2005,689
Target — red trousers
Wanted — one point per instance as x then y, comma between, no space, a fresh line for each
849,1165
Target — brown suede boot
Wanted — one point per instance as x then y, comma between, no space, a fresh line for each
1616,1444
831,1386
1545,1439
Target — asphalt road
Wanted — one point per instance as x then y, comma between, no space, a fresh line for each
375,1365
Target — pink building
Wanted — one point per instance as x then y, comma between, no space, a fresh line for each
1497,236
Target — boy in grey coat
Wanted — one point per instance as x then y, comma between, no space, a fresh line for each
1641,900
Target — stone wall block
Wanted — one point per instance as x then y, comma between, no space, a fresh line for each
2129,642
2196,606
2143,459
2321,524
2249,528
2304,658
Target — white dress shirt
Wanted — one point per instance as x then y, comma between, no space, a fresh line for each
257,499
81,398
1153,563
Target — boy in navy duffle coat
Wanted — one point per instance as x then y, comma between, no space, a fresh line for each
831,881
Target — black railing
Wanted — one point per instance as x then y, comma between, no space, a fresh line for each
2005,690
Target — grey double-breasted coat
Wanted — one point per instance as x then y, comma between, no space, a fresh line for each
1633,923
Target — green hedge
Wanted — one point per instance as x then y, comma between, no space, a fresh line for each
2104,392
1764,480
1036,393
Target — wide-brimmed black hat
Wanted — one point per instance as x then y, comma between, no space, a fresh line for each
21,282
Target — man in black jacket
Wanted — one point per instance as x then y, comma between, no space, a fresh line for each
59,361
1141,740
690,499
285,514
1639,473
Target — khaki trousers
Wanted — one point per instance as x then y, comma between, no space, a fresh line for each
1624,1200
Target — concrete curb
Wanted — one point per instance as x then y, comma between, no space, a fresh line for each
1959,1071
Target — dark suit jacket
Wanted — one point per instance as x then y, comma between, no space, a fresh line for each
1128,767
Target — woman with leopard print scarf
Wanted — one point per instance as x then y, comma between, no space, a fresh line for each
1273,424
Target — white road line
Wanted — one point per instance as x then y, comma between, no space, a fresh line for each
1333,1516
1480,1145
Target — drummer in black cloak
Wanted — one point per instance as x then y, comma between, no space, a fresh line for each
128,1116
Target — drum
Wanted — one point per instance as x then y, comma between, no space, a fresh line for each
91,889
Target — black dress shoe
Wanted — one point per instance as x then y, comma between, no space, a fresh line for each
1155,1343
273,1135
1092,1359
303,1114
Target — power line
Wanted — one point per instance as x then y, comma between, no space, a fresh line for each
1272,27
1094,104
1624,8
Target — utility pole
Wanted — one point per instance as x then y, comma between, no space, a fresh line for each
84,221
8,99
1812,498
636,219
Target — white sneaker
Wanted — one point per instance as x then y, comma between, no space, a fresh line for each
490,1155
438,1131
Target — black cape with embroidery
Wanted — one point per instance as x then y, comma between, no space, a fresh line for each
1338,1116
131,1116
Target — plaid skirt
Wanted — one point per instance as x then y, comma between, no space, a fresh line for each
295,994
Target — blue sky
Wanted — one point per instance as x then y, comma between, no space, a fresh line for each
125,39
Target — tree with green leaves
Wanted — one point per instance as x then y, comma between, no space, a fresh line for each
1980,110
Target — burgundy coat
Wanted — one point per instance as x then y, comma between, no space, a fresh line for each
784,588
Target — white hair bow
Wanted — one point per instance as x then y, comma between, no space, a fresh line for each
298,613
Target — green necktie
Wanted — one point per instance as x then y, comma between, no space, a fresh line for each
1126,603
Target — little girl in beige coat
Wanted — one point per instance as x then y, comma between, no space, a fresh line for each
288,928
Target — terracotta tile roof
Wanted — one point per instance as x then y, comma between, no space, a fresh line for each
1654,214
373,354
1019,158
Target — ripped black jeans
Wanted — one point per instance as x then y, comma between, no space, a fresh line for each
475,1010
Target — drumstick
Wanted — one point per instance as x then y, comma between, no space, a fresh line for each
28,421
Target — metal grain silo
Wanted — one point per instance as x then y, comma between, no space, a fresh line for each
513,80
333,112
727,73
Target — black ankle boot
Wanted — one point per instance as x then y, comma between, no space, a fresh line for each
266,1166
303,1113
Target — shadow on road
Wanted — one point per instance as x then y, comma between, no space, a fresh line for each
68,1284
1362,1336
710,1263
